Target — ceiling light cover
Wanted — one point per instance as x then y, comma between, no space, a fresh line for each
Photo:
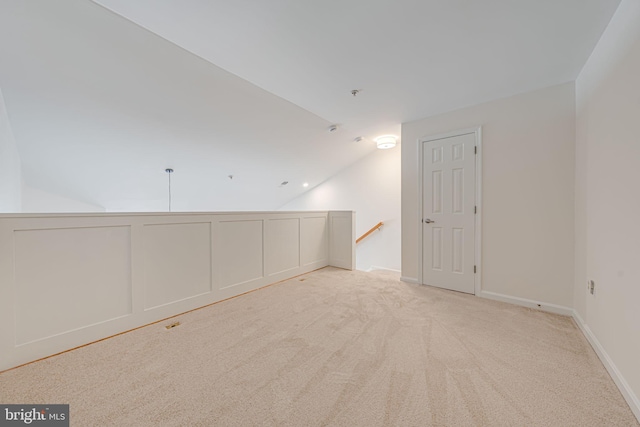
386,141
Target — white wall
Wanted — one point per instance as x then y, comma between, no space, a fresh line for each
608,200
39,201
371,188
10,167
527,192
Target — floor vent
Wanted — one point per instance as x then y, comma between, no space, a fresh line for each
172,325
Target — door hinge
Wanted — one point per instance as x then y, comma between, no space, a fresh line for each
474,269
475,149
475,209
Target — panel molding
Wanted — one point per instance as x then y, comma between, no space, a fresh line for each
314,242
282,253
437,191
89,268
176,253
311,234
59,334
342,237
457,245
457,180
239,252
437,247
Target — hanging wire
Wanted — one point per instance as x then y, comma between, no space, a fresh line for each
169,171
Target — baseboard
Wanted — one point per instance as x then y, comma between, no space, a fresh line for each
375,267
538,305
341,264
409,280
623,386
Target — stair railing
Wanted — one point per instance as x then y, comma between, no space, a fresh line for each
374,228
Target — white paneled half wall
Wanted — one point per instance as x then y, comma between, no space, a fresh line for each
70,279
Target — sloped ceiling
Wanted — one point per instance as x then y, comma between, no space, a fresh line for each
103,96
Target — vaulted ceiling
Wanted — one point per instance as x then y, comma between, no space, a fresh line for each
104,95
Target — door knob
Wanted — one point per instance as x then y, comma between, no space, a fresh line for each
428,221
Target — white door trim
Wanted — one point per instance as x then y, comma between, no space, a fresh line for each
477,131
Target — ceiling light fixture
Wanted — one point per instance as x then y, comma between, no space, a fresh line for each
306,184
358,139
333,128
386,141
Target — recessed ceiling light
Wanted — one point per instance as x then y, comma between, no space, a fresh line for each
283,183
333,128
358,139
306,184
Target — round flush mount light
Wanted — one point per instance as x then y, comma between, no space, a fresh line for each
305,185
386,141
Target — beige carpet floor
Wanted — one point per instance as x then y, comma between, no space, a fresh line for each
335,347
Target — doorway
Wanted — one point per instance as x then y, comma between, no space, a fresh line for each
450,209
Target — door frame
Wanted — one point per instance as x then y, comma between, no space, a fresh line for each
477,131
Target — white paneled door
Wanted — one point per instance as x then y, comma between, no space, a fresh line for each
448,212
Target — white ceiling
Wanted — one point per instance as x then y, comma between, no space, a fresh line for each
100,106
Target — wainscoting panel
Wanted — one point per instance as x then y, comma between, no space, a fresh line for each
70,279
240,254
342,231
177,262
314,240
282,245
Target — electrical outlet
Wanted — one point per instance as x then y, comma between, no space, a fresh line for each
592,287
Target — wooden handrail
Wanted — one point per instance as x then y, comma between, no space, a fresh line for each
374,228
